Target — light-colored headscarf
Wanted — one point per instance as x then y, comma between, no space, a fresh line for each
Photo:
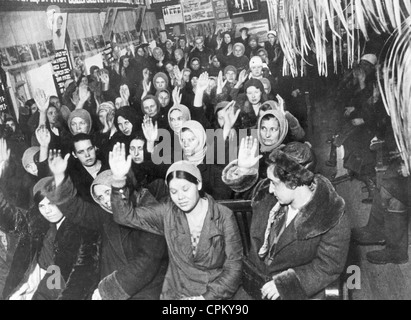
283,123
186,116
106,179
201,150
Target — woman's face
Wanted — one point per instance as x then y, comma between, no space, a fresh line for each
140,52
186,76
270,131
169,67
150,108
137,151
182,43
103,195
50,211
257,71
176,120
125,126
52,115
254,95
220,118
271,38
79,125
238,51
189,143
164,99
195,65
126,63
216,63
231,76
34,108
227,38
184,194
253,44
178,56
32,169
84,81
160,83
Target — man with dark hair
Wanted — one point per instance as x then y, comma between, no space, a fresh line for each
299,233
85,166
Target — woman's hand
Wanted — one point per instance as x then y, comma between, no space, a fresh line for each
42,100
241,79
43,136
83,93
270,291
150,130
177,96
125,95
119,164
230,117
4,156
203,82
220,83
247,154
281,103
58,165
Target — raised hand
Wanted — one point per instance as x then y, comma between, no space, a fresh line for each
119,164
57,164
177,96
84,93
146,75
281,103
242,77
125,95
230,117
43,136
4,155
220,83
150,130
42,100
247,155
219,43
230,50
203,82
178,75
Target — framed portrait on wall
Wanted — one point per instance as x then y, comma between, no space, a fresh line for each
239,7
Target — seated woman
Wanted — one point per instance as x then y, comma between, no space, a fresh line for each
127,123
48,244
202,236
133,263
300,233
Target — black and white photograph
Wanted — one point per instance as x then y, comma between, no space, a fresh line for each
208,157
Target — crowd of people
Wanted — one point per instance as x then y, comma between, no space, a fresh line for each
117,184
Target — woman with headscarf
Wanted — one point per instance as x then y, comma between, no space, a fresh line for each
161,81
193,141
127,123
237,58
132,262
164,97
202,236
151,107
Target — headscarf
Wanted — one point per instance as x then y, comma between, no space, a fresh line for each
106,179
283,123
199,132
129,114
83,114
186,116
160,75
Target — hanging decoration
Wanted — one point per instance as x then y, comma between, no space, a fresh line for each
321,25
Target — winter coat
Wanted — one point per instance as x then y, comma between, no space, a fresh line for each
312,251
132,262
75,253
214,272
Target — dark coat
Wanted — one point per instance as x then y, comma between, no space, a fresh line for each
312,251
75,253
133,263
214,272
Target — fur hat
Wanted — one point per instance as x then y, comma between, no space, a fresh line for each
289,164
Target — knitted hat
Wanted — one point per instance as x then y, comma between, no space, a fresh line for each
160,75
254,83
106,179
230,68
83,114
256,61
239,44
371,58
29,156
185,166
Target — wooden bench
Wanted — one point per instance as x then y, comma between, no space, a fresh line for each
243,214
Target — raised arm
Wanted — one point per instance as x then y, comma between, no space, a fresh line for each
146,215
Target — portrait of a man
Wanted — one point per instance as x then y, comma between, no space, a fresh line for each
59,30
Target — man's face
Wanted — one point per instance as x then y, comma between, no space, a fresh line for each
103,195
59,22
137,151
50,211
85,152
270,131
169,45
52,115
199,43
79,125
284,195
